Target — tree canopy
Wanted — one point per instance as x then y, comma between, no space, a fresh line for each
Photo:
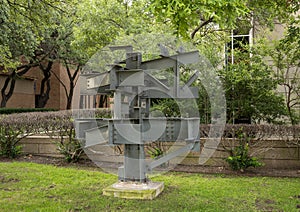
35,33
188,18
25,24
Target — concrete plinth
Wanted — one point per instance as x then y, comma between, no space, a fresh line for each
134,190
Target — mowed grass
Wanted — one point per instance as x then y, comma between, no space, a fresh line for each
35,187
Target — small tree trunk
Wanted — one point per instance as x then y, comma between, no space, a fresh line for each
43,97
6,96
70,96
20,71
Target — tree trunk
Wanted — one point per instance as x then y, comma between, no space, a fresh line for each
73,79
43,97
6,96
103,101
72,83
70,96
21,70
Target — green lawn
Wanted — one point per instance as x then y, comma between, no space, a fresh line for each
34,187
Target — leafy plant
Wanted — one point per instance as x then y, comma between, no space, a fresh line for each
240,158
12,129
71,149
250,89
8,143
286,61
168,107
59,124
174,108
155,152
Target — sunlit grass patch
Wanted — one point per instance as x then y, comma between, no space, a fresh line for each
34,187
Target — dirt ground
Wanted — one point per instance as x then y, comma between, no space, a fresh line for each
87,164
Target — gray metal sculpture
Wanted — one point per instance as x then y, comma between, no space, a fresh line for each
133,86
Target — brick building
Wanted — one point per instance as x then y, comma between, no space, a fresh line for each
27,88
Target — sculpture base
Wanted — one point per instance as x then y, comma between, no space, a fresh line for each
134,190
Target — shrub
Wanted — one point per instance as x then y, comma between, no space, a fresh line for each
59,126
24,110
256,131
71,148
12,129
239,158
244,138
8,142
155,150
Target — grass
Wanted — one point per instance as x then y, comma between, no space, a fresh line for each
35,187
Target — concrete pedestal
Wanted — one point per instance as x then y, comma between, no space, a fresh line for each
134,190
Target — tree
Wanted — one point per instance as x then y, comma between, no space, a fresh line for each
286,60
69,32
99,22
93,25
189,18
25,25
73,61
249,84
58,49
250,90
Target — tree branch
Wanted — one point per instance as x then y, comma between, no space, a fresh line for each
200,26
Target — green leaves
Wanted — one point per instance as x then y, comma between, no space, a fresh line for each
187,16
99,22
286,56
24,25
250,89
240,158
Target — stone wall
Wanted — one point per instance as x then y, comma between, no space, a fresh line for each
275,154
40,145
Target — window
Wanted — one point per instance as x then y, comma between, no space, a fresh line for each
237,42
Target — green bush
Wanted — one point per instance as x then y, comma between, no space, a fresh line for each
174,108
12,129
59,126
24,110
56,124
71,149
240,158
15,127
155,152
103,113
8,142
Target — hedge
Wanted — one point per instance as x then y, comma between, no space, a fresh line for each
14,127
24,110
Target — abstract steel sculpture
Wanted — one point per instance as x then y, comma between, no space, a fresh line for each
133,86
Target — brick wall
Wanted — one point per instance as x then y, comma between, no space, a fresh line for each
23,96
